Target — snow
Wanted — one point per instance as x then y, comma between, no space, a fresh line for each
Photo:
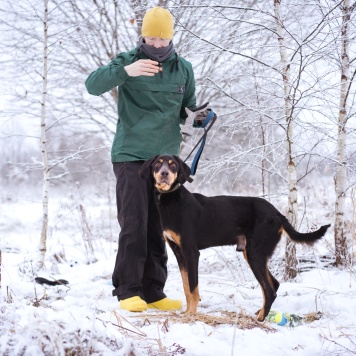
83,318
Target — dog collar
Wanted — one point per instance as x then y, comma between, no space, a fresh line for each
174,188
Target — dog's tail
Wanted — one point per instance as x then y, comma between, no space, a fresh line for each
308,238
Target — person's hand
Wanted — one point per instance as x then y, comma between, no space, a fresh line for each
199,114
142,67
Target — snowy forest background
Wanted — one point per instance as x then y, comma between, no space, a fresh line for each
280,74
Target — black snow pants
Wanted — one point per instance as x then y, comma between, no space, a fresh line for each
141,260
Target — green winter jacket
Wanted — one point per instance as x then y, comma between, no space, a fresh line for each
150,109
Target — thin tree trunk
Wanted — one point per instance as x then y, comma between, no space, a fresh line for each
341,252
43,240
290,252
263,143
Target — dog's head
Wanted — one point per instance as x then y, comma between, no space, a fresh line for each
165,170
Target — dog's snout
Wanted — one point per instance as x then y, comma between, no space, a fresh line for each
164,172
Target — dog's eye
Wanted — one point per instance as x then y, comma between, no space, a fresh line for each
158,164
173,167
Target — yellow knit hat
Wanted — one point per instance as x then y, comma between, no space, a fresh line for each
158,22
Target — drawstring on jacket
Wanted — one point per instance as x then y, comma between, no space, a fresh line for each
176,61
136,54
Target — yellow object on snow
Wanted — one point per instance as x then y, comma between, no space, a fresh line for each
166,304
133,304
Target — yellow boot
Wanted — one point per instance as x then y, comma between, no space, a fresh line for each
133,304
166,304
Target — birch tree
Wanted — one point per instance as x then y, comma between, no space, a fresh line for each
46,177
341,249
292,215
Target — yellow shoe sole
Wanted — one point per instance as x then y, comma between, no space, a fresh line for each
133,304
166,304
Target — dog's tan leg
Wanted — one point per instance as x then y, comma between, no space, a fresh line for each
192,262
174,241
194,300
268,283
263,312
184,274
259,312
187,262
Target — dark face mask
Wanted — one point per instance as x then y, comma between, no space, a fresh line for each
156,54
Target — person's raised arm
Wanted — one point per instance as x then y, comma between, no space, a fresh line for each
116,73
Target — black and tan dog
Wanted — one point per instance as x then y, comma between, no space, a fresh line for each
192,222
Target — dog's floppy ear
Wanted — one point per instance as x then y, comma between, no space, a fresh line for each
145,170
184,171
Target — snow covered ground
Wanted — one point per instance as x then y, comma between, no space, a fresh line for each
84,319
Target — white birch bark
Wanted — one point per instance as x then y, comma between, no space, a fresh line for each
290,252
341,253
43,239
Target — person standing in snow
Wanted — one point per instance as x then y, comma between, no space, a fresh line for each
155,85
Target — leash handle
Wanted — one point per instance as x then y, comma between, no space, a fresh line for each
210,116
209,119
